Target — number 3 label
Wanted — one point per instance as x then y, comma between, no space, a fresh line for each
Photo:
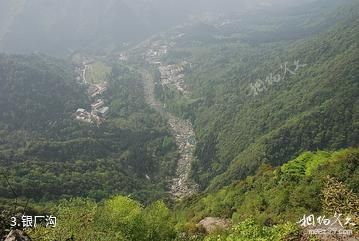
13,222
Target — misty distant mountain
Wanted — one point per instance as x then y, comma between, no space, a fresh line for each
57,26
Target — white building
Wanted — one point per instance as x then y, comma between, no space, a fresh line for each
98,104
103,112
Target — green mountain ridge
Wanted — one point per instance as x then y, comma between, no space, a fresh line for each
46,154
314,109
265,206
273,102
273,198
37,90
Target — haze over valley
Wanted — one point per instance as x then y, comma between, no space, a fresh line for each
162,120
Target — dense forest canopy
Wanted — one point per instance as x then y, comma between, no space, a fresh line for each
179,120
48,155
37,90
268,101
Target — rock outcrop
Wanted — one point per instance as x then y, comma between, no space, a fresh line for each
211,224
17,235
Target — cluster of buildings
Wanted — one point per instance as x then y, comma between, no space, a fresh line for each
157,52
157,49
99,111
173,75
83,115
123,57
94,117
97,90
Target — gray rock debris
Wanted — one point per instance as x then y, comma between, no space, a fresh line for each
17,235
212,224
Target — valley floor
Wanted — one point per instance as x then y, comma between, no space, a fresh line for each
183,132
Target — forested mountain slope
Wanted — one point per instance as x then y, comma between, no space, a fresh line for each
37,90
254,103
45,154
267,205
271,101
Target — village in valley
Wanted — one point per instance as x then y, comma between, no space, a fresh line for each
172,75
96,92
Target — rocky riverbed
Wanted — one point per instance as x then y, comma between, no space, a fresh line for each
181,186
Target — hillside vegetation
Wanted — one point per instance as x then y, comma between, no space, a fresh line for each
277,195
265,206
269,103
45,154
244,115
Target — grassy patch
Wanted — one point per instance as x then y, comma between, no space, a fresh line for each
97,72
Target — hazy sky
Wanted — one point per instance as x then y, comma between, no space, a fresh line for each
49,25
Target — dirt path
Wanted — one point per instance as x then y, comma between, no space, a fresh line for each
84,73
182,130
